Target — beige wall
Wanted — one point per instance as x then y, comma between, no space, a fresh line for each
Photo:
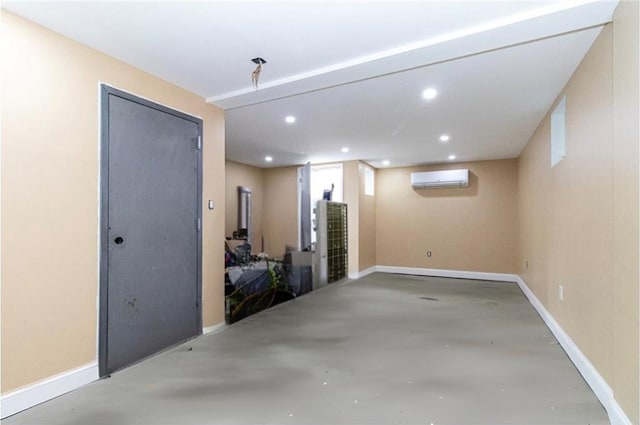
471,228
280,209
366,224
579,219
569,221
361,218
252,177
626,137
351,183
50,142
280,220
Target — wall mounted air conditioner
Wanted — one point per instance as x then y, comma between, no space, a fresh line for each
444,178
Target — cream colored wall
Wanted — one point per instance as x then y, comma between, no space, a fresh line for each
573,210
579,219
238,174
280,209
471,228
366,224
626,278
50,139
351,182
280,220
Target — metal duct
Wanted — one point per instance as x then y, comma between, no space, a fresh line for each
305,207
244,212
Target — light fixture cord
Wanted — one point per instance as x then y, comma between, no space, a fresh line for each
255,75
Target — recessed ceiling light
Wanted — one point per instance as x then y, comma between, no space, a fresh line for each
452,157
345,149
290,119
385,162
268,158
444,138
429,93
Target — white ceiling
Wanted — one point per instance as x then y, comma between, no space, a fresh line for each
351,72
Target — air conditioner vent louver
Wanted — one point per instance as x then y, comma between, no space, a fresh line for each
444,178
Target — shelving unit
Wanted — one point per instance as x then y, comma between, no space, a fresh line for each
331,242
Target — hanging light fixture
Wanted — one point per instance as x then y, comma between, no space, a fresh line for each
255,75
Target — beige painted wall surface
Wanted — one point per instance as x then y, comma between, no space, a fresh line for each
471,228
351,181
238,174
280,220
50,108
626,172
569,215
281,211
534,210
366,224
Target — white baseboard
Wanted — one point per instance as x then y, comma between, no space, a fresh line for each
597,383
214,329
24,398
368,271
363,273
16,401
459,274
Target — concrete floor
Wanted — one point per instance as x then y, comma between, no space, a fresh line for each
386,349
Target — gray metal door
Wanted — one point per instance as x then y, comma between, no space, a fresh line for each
150,240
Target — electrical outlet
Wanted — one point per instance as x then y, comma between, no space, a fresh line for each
560,293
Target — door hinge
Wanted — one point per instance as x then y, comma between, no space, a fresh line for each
199,143
199,224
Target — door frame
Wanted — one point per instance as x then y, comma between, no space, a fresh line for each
105,92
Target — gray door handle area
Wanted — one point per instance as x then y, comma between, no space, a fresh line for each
118,240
